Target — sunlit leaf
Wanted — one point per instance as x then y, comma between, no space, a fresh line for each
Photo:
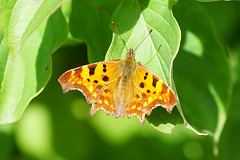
134,20
201,71
26,76
215,0
19,18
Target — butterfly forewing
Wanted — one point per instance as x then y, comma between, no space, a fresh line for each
154,91
90,79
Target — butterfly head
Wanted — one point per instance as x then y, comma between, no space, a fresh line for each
130,54
129,63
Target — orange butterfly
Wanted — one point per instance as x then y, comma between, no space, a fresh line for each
120,87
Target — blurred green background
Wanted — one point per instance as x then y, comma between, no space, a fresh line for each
58,126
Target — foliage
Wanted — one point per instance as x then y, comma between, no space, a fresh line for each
203,73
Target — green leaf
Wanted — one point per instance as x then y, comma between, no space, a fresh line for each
201,71
19,18
134,20
230,135
7,141
26,77
91,25
215,0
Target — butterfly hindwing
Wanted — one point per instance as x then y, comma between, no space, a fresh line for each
134,106
106,101
154,91
90,79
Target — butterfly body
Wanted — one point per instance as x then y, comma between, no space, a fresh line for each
120,87
124,85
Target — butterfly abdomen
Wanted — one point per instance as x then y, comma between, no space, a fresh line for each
122,95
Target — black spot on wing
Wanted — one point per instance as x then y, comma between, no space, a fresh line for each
92,69
104,68
137,96
95,81
141,85
148,91
106,91
154,82
105,78
146,74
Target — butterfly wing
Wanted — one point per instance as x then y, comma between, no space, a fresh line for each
154,91
90,79
106,101
135,105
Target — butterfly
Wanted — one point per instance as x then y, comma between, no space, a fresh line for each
121,87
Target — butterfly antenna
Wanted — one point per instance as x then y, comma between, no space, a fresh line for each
143,39
119,35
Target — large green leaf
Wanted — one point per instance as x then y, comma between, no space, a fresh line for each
134,20
215,0
19,18
201,70
24,78
230,136
89,22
